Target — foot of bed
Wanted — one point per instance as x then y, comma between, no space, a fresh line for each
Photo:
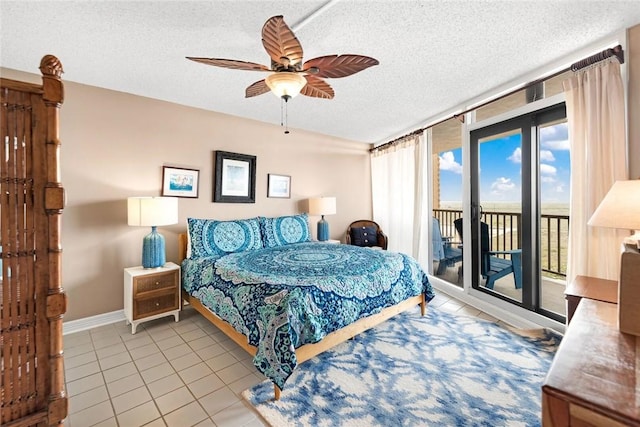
276,392
423,306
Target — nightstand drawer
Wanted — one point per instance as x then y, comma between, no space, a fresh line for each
154,282
145,307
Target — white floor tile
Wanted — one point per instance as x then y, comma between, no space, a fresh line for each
82,359
111,422
162,334
193,335
174,400
156,423
185,325
114,374
153,374
144,351
139,416
82,371
84,384
205,385
76,350
233,373
221,361
124,385
92,415
201,342
206,423
131,399
210,351
150,361
111,350
177,351
218,400
77,339
185,361
87,399
244,383
141,339
115,360
165,385
106,341
186,416
192,373
170,342
235,415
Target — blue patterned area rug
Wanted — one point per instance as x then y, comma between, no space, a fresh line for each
437,370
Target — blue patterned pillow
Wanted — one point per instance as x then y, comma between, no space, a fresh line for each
284,230
216,238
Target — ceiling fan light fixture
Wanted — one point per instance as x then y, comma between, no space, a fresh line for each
285,83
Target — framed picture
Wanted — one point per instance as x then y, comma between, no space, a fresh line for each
235,178
279,186
180,182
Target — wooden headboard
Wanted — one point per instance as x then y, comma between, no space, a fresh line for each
182,246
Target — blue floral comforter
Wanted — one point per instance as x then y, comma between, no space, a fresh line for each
284,297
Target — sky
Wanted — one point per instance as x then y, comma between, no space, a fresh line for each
501,165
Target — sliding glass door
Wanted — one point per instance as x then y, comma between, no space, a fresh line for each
511,173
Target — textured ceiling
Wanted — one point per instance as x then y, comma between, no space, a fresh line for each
434,55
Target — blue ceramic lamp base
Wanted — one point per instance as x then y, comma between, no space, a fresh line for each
323,230
153,253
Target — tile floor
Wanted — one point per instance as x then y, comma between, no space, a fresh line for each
168,374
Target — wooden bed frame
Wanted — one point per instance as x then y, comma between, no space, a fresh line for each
306,351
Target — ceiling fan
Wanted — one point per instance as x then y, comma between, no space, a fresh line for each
289,75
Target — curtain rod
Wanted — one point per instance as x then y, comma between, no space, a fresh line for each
616,51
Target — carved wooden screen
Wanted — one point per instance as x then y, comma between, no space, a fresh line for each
33,301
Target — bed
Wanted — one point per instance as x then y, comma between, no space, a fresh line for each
284,298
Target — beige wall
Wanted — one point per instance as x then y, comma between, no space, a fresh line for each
114,146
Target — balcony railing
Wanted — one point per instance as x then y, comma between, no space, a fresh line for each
506,234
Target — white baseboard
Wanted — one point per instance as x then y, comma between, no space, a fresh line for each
92,322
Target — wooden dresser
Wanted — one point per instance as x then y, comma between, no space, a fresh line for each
594,378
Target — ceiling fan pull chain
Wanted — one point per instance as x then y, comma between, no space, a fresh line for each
286,115
281,112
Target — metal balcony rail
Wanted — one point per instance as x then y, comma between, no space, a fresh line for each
506,235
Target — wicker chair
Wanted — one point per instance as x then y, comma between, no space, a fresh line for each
366,233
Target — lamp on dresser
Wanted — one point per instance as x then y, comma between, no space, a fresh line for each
620,209
152,212
322,206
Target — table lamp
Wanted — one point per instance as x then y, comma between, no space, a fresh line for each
152,212
620,208
322,206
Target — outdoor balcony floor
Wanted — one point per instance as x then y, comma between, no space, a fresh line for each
552,289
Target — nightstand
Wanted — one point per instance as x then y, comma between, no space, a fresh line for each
589,288
151,293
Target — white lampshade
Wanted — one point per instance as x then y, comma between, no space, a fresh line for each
152,211
620,208
285,83
322,206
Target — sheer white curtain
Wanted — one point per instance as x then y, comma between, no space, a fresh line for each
398,178
596,116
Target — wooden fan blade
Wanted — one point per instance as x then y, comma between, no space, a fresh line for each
280,43
258,88
333,66
317,88
231,63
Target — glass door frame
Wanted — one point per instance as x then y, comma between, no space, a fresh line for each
528,123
